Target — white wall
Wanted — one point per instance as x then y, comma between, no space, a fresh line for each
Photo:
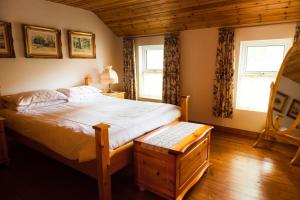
198,58
22,74
155,40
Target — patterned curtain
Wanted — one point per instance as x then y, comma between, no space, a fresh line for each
297,34
171,80
129,68
223,86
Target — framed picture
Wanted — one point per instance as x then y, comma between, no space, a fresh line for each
42,42
280,101
81,44
6,41
294,109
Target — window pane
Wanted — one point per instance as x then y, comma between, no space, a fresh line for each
264,58
152,85
154,58
260,61
150,71
253,93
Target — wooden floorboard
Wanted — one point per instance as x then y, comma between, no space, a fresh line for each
238,172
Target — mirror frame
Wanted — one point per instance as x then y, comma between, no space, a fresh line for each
273,124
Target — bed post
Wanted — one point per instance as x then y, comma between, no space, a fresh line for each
103,161
184,103
87,80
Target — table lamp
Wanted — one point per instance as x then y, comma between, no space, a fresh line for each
109,76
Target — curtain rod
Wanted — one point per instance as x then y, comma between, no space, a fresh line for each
263,24
142,36
151,35
233,26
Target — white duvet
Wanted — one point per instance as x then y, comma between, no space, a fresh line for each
67,128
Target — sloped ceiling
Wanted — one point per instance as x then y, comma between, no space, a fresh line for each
145,17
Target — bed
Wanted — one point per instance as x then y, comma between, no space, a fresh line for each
71,132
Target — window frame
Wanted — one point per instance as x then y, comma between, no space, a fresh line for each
287,43
242,65
145,48
142,68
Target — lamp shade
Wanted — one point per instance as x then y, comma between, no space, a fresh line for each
109,76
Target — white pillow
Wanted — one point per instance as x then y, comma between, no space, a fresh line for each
80,91
27,98
33,105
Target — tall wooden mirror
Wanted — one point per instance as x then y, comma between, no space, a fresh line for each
283,118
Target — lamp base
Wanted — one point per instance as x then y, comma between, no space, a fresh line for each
109,89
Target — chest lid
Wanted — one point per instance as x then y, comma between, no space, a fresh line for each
177,138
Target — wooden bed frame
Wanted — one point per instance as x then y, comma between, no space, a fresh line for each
106,163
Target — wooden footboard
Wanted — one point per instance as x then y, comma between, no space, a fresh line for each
108,163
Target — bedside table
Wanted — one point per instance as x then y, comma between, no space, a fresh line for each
3,144
120,95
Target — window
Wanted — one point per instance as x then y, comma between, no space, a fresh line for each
150,71
259,63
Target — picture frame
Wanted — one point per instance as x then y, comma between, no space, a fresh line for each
6,41
280,101
42,42
81,44
294,109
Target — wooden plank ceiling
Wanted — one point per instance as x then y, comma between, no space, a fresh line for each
146,17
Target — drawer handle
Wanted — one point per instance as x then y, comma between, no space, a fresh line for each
157,173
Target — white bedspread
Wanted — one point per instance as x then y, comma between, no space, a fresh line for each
67,128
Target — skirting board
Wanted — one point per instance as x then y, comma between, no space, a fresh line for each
241,132
232,130
236,131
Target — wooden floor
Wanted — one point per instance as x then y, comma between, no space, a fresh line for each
238,172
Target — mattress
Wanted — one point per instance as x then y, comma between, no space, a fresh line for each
67,128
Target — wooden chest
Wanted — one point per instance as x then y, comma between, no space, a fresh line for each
171,172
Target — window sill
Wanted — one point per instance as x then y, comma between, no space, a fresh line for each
250,110
149,99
